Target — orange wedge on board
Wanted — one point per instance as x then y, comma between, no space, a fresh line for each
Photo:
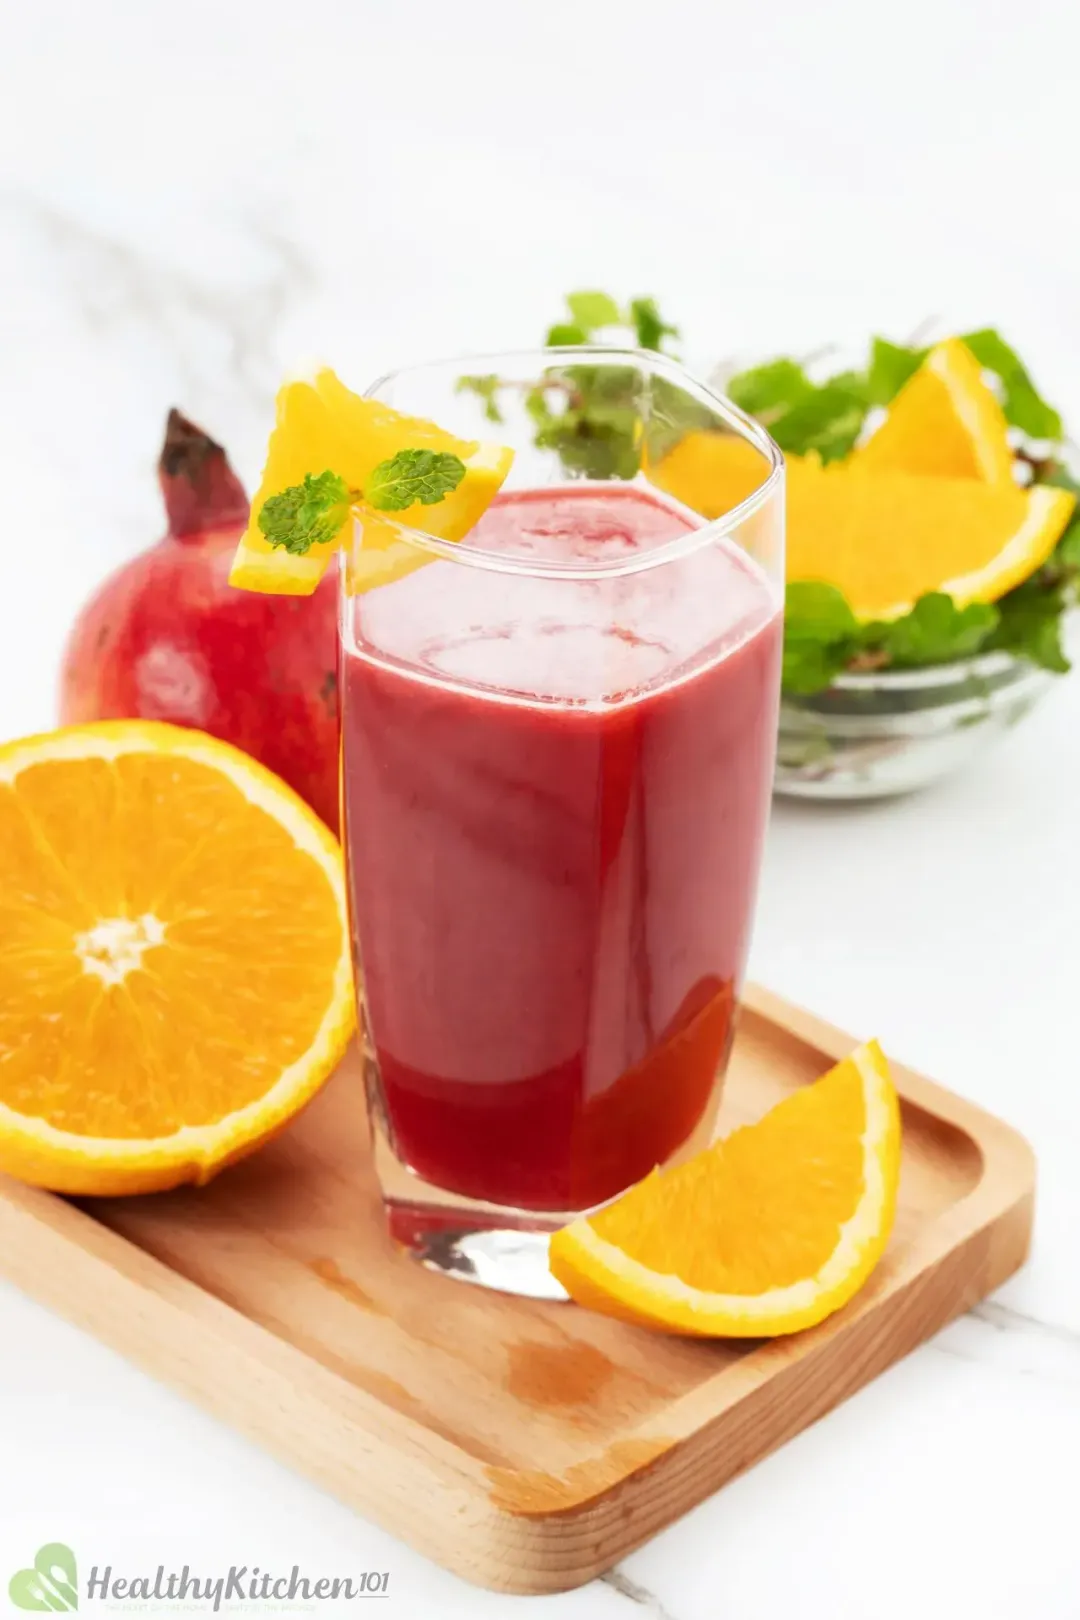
768,1231
884,538
174,963
323,426
945,422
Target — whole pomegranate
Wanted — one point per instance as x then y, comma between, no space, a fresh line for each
168,638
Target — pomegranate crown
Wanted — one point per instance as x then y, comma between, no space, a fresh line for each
199,487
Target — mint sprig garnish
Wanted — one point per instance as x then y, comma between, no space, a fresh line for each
593,311
592,416
314,511
595,316
486,388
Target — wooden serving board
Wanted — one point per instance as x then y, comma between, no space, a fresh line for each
528,1446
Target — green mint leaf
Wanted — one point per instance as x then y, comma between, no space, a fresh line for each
891,365
592,417
854,383
564,335
619,420
1066,554
650,328
821,635
306,514
1023,405
810,666
424,476
539,408
1030,625
802,415
818,612
598,442
593,310
828,420
769,390
486,389
936,631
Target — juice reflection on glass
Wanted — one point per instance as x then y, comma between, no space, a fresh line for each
558,749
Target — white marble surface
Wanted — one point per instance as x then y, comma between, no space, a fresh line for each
195,198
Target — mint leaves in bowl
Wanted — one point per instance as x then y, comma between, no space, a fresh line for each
933,555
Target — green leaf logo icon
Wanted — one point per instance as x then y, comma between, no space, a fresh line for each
52,1586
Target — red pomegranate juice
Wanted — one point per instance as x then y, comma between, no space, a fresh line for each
555,795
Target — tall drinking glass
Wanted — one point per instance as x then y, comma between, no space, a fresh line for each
558,750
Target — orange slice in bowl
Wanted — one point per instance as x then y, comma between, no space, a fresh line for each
882,537
945,421
768,1231
886,538
175,979
710,472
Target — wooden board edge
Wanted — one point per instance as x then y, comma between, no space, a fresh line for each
1005,1150
562,1549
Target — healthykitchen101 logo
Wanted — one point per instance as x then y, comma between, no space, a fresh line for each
51,1585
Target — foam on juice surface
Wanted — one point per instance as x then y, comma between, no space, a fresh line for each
574,641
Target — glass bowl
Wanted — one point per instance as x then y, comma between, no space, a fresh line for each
868,736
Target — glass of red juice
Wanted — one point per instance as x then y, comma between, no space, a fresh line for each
558,741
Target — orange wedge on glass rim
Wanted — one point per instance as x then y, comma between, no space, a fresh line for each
767,1231
323,426
175,979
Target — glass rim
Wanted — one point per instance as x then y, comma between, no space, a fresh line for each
680,545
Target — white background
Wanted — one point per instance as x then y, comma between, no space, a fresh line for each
198,197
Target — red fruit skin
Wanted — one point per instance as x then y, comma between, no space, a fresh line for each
168,638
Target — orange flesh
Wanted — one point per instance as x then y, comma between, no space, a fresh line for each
212,1014
762,1208
884,538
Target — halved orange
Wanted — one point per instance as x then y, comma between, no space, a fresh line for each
322,426
174,963
883,538
945,421
768,1231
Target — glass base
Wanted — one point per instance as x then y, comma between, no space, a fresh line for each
502,1258
492,1245
486,1244
477,1242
